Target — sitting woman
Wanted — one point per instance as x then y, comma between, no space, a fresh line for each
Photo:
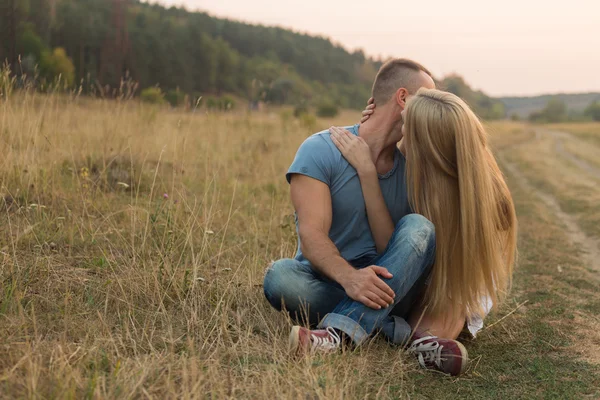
454,181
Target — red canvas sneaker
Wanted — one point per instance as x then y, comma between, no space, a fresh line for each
446,355
304,340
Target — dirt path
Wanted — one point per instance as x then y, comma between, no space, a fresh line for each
559,137
589,245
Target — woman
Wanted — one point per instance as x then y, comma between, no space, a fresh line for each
454,181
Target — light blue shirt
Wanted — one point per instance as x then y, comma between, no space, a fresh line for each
320,159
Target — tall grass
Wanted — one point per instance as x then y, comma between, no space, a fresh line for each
133,249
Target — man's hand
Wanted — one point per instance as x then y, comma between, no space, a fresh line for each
365,285
366,114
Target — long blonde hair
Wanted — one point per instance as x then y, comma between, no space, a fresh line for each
454,181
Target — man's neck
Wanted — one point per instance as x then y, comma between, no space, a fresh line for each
383,149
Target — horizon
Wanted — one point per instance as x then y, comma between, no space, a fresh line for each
553,45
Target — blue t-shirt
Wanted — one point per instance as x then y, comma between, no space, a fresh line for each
320,159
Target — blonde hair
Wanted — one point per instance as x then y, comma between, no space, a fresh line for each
454,181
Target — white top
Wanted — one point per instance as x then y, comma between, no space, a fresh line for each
475,322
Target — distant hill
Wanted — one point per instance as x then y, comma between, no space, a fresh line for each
525,106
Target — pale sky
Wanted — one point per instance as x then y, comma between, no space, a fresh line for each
506,47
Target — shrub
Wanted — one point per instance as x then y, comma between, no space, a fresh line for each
300,110
56,64
152,95
308,121
227,103
555,111
222,104
593,111
211,102
327,110
175,98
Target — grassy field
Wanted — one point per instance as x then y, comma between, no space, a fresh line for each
134,242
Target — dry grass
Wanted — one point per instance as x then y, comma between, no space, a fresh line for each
547,161
588,131
111,289
134,241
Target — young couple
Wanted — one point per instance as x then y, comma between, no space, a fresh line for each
410,241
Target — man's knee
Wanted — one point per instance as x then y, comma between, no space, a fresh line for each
419,231
278,278
295,287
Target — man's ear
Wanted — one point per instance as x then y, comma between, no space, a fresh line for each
401,96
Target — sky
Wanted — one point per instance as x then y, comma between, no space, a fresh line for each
507,47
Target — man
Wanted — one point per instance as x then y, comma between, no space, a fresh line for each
337,279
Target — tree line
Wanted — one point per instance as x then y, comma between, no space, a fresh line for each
97,45
556,110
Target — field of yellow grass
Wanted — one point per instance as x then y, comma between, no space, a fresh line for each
134,242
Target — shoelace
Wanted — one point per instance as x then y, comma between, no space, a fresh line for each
427,352
329,343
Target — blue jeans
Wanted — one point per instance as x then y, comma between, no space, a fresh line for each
308,296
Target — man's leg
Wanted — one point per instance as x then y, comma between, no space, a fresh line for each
295,287
409,257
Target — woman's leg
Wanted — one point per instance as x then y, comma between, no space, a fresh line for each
434,342
424,324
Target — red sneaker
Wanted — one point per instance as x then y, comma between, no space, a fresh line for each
446,355
303,340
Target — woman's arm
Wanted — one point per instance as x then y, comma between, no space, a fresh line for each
380,220
356,151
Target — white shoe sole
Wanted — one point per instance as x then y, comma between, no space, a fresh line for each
294,339
465,357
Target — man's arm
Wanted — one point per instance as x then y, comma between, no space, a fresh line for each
312,201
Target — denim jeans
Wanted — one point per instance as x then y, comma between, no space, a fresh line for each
308,296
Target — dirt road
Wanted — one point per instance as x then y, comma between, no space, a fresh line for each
589,245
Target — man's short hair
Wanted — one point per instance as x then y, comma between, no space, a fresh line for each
395,74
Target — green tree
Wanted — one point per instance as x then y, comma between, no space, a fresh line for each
80,28
41,16
31,50
152,95
593,110
13,16
555,111
327,110
175,97
56,65
29,43
228,62
483,105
